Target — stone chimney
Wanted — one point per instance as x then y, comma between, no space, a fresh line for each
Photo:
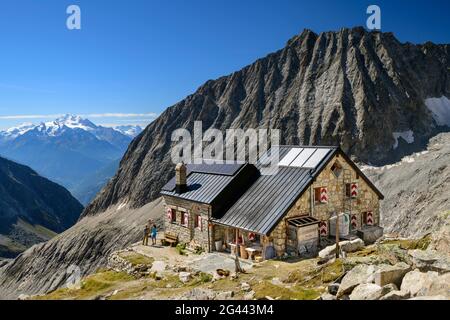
180,178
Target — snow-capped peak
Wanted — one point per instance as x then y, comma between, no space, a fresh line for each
14,132
129,130
69,122
74,121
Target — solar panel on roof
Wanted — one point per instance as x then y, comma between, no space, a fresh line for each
286,161
315,159
302,157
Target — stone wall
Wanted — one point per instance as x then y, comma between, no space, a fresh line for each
190,235
367,200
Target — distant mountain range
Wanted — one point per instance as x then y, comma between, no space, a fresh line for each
32,208
71,151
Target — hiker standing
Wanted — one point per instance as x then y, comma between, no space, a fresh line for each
146,234
154,232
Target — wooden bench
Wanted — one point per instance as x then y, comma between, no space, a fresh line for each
170,238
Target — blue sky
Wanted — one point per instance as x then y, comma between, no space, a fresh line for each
133,59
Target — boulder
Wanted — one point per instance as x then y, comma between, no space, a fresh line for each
158,266
430,260
389,288
327,297
329,252
250,295
23,297
360,274
418,283
185,276
370,234
391,274
198,294
440,286
352,246
396,295
226,295
367,291
245,286
333,288
276,281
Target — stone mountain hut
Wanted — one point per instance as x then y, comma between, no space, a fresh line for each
228,207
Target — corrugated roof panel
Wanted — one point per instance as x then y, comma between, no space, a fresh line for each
303,157
266,200
202,187
227,169
315,159
292,154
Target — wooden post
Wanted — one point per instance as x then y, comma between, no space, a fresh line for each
337,235
236,259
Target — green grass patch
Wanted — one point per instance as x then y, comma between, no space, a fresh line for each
410,244
322,275
181,249
136,258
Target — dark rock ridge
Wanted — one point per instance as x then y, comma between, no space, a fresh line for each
354,88
32,208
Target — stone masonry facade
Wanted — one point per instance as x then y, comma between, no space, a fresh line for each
366,201
192,234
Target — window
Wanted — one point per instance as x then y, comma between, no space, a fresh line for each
320,195
336,168
173,216
347,190
184,219
198,221
364,219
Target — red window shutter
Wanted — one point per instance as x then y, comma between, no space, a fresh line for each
186,219
323,228
323,195
354,190
169,214
369,221
354,221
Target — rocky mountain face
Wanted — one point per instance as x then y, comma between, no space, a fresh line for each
70,151
363,90
32,208
417,190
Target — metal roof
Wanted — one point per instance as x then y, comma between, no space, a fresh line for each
225,169
266,202
202,187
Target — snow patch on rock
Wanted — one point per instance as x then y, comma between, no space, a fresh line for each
408,136
440,109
